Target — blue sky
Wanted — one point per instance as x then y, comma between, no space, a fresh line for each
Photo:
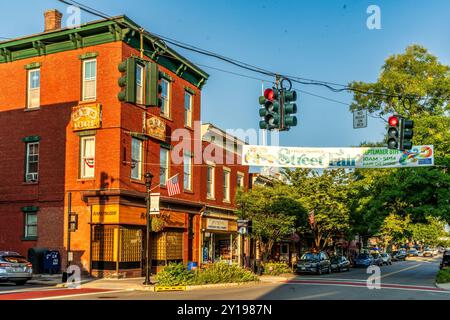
322,40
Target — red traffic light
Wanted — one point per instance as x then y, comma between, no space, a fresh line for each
393,121
269,94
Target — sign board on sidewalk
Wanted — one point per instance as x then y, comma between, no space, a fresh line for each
334,158
154,203
359,119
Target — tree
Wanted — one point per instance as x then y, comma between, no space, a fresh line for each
427,233
394,229
325,195
275,213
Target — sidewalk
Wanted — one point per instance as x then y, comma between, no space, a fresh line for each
46,279
445,286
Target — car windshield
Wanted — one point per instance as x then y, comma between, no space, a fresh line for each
362,256
335,259
310,256
15,259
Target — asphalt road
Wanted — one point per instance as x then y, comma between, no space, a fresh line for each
409,280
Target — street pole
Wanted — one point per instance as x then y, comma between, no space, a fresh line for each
148,183
69,208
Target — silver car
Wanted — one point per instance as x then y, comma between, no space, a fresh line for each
14,268
387,259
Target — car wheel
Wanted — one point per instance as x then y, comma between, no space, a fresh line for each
329,270
319,271
20,282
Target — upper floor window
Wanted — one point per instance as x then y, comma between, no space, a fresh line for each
89,79
240,180
188,109
165,96
226,184
136,159
164,165
34,88
187,160
87,159
210,175
30,225
140,84
32,162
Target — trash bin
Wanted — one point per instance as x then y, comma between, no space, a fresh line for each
52,262
36,258
192,266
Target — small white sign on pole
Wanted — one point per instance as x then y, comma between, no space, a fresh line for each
359,119
154,203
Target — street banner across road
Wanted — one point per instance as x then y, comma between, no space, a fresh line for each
333,158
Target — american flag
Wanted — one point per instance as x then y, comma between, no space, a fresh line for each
173,186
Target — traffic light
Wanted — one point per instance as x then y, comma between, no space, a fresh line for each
406,134
128,80
271,110
393,133
289,109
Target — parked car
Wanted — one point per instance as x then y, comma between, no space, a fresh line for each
445,260
386,257
377,259
14,268
314,262
340,263
428,252
413,253
363,260
399,255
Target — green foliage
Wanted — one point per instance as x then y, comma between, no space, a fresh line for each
179,275
275,212
223,273
276,268
429,232
394,229
443,275
175,274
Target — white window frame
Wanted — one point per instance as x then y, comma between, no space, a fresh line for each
167,165
28,225
240,175
166,101
211,183
85,80
136,162
140,84
31,90
28,162
83,157
226,185
189,158
188,114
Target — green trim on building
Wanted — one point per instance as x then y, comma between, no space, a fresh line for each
86,133
31,139
89,55
95,33
165,76
34,65
190,90
140,136
30,209
166,145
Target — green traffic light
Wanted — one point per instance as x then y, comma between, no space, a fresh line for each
290,96
290,108
290,121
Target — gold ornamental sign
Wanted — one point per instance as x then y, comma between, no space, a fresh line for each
156,128
86,117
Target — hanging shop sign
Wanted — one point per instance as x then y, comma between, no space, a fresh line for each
217,224
154,203
118,214
86,117
156,128
333,158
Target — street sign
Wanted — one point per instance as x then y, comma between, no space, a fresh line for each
154,203
242,223
359,119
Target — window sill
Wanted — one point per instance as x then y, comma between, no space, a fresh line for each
189,191
226,201
137,181
211,199
85,179
30,183
29,239
32,109
189,128
163,186
87,101
168,118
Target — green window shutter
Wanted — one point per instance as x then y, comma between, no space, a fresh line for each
128,80
30,209
152,81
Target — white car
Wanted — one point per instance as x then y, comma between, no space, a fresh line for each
428,252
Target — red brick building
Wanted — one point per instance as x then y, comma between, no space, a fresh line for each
66,130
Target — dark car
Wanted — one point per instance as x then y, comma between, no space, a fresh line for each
413,253
314,262
14,268
363,260
377,259
340,263
445,260
399,255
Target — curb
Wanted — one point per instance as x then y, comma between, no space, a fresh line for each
221,285
444,286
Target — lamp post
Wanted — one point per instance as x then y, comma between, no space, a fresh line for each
148,184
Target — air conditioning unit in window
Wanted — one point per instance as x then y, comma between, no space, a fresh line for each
32,177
